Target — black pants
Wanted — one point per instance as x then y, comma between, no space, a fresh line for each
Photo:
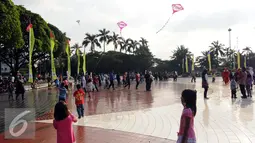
80,110
242,88
137,84
205,92
233,93
127,84
10,95
17,95
111,84
193,79
148,86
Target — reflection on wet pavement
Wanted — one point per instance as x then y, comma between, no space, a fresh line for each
157,113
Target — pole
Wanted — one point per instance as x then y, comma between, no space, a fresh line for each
233,56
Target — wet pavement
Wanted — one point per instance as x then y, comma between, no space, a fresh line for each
147,116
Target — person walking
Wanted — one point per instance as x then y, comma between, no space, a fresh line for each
137,78
205,84
20,89
193,76
148,81
242,82
111,81
79,100
127,81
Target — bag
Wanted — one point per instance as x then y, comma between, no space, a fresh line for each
189,140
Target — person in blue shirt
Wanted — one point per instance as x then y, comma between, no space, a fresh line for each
62,92
111,81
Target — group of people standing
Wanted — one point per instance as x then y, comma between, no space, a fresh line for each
242,77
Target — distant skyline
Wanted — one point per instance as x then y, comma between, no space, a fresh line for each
200,23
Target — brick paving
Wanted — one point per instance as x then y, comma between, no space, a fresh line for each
87,135
152,116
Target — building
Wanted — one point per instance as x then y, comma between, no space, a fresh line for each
5,70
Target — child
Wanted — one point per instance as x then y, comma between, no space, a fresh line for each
233,86
62,122
79,100
62,92
249,84
186,132
89,87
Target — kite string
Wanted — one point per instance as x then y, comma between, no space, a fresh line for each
164,24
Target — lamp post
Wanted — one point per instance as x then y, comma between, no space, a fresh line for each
233,56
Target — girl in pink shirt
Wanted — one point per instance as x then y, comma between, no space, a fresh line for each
186,132
63,123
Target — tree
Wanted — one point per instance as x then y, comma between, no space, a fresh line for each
103,36
11,39
115,40
217,49
179,55
143,42
123,44
132,44
92,40
11,35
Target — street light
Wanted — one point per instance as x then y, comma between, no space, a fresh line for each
233,56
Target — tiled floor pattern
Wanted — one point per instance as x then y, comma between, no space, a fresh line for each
218,120
45,133
157,113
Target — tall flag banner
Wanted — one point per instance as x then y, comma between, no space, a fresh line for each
238,60
209,61
84,62
244,60
175,8
52,45
182,65
68,59
186,64
78,58
31,48
193,64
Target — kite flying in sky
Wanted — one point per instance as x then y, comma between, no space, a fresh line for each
176,8
121,25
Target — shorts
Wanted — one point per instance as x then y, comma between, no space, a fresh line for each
190,140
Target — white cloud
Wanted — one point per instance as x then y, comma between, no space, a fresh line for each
196,27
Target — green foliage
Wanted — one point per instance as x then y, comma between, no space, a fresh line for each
41,29
10,30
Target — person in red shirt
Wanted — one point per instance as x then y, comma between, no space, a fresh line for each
79,95
137,78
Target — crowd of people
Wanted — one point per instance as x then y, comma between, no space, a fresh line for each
244,77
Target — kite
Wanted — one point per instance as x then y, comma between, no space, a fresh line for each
176,8
121,25
78,21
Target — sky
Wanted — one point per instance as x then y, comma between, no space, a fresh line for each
200,23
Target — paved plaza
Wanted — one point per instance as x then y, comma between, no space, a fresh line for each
135,116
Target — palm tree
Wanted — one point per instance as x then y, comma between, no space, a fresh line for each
247,51
115,40
92,40
217,49
103,36
132,44
123,44
144,42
